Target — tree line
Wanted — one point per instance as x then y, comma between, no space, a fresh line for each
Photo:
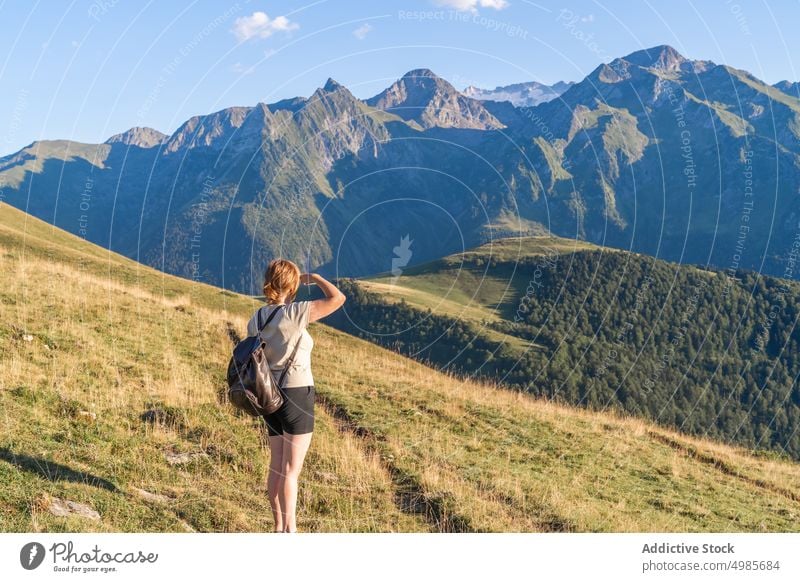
686,347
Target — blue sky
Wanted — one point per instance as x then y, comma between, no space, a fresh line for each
85,70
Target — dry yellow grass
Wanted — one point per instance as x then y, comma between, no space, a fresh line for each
398,446
535,465
76,343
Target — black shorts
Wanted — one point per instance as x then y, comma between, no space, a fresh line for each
296,414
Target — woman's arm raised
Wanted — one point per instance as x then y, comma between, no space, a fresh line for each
333,300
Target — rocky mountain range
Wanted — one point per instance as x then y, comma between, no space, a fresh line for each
429,101
791,89
682,159
520,94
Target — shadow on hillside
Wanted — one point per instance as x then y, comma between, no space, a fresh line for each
53,471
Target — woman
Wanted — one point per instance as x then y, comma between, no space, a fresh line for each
291,426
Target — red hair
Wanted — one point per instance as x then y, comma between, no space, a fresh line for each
282,279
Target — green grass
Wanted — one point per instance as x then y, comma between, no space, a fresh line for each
397,446
472,293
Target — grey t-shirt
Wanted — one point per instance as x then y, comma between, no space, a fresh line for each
281,334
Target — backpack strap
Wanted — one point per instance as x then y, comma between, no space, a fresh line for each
290,361
266,323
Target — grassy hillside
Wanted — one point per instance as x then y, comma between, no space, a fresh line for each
468,285
476,294
111,381
709,353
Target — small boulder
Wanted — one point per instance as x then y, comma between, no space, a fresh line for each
148,496
65,508
183,458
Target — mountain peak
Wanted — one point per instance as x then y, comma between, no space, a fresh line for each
333,91
421,73
662,57
332,85
421,96
527,94
790,88
143,137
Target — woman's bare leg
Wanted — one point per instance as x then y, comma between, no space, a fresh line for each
275,479
295,447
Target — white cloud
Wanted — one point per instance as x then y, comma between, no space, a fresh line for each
362,31
473,5
259,25
241,69
496,4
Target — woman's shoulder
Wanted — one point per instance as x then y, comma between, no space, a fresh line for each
258,318
252,323
298,311
260,312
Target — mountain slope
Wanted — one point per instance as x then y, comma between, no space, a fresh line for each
205,203
689,348
681,159
143,137
791,89
430,101
109,404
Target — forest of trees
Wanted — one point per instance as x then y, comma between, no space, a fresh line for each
693,349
